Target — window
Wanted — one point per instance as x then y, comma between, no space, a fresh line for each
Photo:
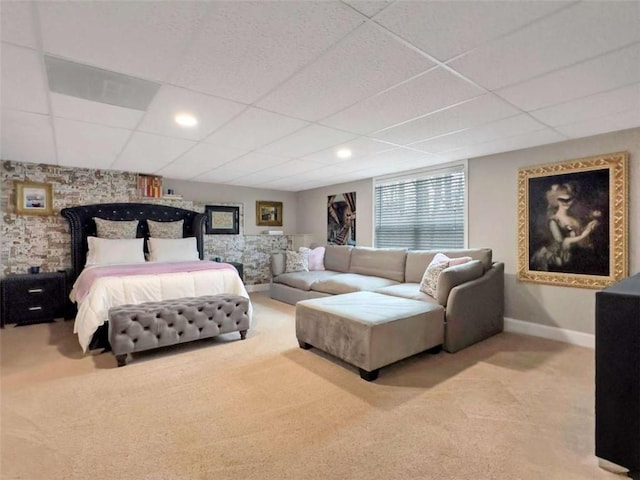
423,211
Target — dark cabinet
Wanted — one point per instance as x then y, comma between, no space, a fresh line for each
32,298
618,373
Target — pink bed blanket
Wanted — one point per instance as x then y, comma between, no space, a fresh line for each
91,274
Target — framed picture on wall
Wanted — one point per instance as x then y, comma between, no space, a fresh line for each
268,214
34,198
572,222
222,220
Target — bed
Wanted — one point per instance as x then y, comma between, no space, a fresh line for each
96,289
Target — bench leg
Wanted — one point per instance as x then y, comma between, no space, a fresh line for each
243,334
122,359
369,376
304,345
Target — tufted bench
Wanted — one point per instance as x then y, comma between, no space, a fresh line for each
134,328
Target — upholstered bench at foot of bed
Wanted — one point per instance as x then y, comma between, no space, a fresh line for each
134,328
369,330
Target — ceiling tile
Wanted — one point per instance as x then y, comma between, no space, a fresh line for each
575,34
504,128
248,48
254,179
94,112
23,81
597,105
434,90
17,24
211,112
88,145
477,111
360,147
147,153
146,39
219,175
254,128
308,140
252,162
593,76
296,167
201,158
368,7
608,123
393,159
447,29
518,142
366,62
27,137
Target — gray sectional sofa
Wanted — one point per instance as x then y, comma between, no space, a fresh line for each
471,294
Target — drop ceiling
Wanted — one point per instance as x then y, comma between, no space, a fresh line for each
279,87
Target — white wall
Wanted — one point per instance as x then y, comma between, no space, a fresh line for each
493,223
223,194
312,210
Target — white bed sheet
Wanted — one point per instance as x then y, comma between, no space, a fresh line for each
108,292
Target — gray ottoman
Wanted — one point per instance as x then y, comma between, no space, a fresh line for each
369,330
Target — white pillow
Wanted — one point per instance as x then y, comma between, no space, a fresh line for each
429,283
316,257
173,249
108,251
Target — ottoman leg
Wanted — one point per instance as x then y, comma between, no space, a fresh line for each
369,376
304,345
435,350
243,334
122,359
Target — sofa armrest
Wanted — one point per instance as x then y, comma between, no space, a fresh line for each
278,263
456,275
475,310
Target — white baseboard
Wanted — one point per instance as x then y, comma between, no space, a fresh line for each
552,333
259,287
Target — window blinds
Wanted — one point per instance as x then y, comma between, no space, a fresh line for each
426,212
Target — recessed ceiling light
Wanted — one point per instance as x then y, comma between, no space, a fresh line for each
186,120
343,153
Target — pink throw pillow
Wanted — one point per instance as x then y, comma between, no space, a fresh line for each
316,258
441,258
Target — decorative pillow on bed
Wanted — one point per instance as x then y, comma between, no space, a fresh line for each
108,251
116,228
173,249
296,261
429,283
316,257
165,229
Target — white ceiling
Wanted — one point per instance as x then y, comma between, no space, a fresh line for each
279,87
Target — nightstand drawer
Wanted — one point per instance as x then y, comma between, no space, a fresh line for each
29,298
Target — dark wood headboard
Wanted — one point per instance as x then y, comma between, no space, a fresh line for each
82,224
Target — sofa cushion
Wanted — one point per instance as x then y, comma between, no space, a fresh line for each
407,290
296,261
304,280
316,257
379,262
351,282
337,257
454,276
419,260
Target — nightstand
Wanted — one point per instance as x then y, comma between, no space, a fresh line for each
32,298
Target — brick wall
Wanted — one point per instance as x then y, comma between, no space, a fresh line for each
45,241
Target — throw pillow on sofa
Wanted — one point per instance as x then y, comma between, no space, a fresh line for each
296,261
429,283
441,257
316,257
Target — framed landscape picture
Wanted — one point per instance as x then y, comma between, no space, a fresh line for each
222,220
268,214
34,198
572,222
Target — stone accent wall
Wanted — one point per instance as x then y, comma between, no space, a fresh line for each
45,241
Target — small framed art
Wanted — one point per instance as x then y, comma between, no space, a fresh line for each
222,220
268,214
34,198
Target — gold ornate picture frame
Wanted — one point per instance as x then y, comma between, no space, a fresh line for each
34,198
268,214
572,222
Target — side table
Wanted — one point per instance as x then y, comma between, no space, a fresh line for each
32,298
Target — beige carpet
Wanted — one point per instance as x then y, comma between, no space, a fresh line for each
512,407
